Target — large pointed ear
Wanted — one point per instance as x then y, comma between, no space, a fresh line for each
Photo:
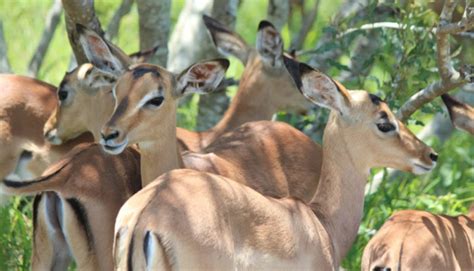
202,77
143,56
270,44
93,79
98,51
461,114
226,41
317,87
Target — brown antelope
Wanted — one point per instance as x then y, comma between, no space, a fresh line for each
461,114
25,104
193,220
85,99
74,217
265,86
419,240
264,89
145,114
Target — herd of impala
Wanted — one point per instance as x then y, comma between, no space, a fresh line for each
248,194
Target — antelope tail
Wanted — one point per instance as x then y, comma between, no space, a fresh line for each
49,182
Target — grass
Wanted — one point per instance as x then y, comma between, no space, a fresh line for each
448,189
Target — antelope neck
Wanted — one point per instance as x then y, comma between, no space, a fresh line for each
339,199
159,156
251,103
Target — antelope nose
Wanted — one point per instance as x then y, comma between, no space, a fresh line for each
434,157
113,134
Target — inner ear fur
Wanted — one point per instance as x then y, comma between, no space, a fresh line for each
202,77
270,44
98,51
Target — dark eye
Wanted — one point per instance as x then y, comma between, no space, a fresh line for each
155,102
62,95
385,127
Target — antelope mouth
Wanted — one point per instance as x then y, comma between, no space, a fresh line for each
113,148
52,137
422,169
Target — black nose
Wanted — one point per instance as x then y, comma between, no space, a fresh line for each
434,157
110,136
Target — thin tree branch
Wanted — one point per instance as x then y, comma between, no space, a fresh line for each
308,22
450,77
114,24
52,21
424,96
82,12
390,25
4,64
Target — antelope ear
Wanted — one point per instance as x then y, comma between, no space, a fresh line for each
319,88
226,41
143,56
98,51
270,44
94,78
202,77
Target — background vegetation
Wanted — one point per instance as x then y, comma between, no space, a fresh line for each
400,63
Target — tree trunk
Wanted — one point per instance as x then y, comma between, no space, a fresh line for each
82,12
154,18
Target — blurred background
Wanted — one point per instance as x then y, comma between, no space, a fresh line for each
338,37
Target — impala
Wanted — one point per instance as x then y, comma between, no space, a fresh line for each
74,217
419,240
265,87
145,114
25,104
462,115
193,220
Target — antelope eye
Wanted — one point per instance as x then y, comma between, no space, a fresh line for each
385,127
62,95
155,102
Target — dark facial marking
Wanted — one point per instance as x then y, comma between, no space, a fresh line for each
121,108
62,84
383,115
140,71
375,99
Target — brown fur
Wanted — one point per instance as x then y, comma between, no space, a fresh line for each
269,157
209,222
419,240
25,106
59,234
263,91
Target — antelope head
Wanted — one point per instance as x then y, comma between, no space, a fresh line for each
264,65
85,93
365,122
146,99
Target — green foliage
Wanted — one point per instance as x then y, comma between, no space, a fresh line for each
401,63
15,234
